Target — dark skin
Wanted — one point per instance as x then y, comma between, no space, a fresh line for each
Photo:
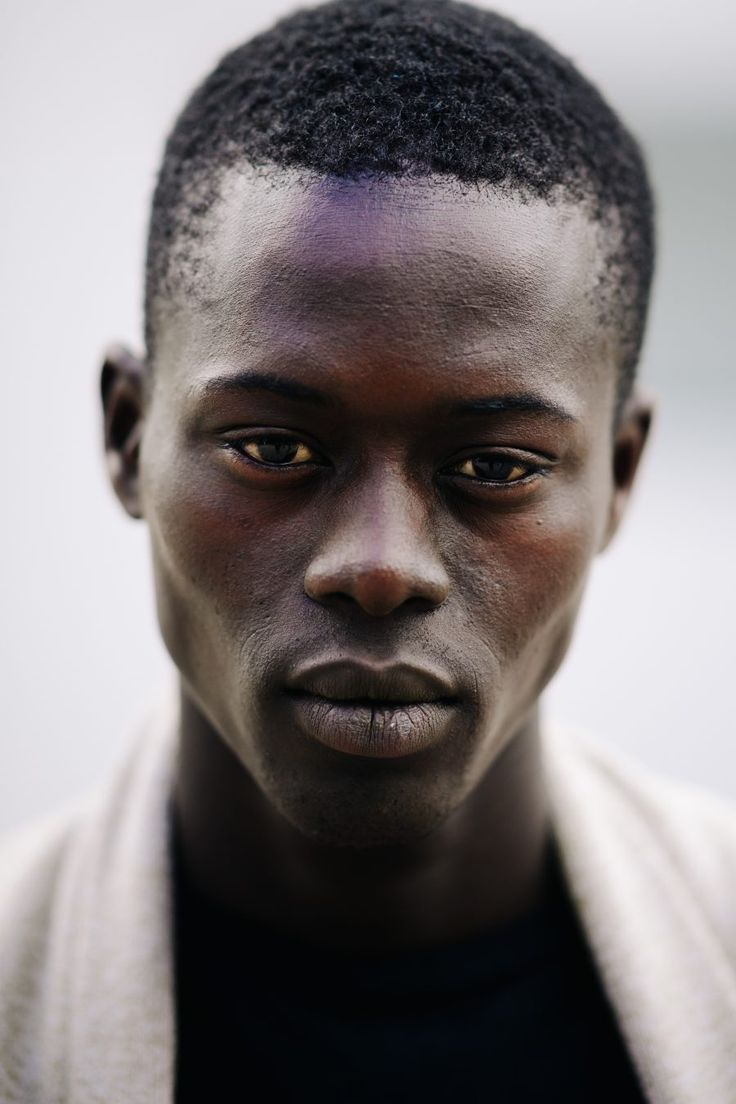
435,499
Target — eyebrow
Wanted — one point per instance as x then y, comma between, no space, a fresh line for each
259,381
501,404
302,392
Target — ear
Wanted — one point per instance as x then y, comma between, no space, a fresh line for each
629,438
122,383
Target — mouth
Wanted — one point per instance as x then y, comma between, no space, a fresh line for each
373,712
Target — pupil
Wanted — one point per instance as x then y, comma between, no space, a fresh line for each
276,451
490,468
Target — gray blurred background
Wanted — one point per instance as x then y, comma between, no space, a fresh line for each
88,89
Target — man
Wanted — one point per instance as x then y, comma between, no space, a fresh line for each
398,270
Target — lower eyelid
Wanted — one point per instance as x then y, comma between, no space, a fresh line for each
238,444
523,481
237,447
290,464
234,448
528,469
512,462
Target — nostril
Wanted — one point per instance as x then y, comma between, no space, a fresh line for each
424,605
378,589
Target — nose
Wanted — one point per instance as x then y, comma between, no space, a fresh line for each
379,553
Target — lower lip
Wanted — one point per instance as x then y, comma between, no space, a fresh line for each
388,731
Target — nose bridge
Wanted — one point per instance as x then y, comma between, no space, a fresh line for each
387,524
379,551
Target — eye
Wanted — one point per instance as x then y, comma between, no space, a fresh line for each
276,451
492,468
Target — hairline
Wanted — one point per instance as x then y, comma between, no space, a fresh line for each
207,192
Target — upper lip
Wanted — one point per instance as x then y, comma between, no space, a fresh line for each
350,680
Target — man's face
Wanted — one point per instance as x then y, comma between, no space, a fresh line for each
376,464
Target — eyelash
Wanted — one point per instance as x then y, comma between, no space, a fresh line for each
238,445
532,470
533,467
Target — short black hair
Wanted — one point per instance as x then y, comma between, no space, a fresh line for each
398,87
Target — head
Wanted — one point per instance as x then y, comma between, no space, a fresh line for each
398,269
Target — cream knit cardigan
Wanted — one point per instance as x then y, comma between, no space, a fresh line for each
86,980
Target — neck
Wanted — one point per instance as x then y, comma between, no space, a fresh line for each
482,868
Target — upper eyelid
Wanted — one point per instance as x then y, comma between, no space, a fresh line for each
535,471
258,434
517,453
236,439
536,461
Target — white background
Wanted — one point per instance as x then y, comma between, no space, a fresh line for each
88,90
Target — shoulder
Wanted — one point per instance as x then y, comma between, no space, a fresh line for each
691,820
76,886
31,861
694,828
30,857
35,858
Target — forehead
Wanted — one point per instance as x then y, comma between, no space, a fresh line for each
438,274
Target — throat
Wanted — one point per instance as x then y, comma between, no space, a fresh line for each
480,868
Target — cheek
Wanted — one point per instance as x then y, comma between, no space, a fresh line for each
527,582
223,568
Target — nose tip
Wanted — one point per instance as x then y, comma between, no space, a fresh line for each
377,589
378,551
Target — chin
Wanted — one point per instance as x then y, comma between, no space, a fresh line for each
365,815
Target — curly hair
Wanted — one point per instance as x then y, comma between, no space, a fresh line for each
409,87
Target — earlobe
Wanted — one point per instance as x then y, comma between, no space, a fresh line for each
122,384
629,438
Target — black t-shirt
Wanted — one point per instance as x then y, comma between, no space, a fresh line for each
514,1016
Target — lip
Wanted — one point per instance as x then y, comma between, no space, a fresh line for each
349,679
378,712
